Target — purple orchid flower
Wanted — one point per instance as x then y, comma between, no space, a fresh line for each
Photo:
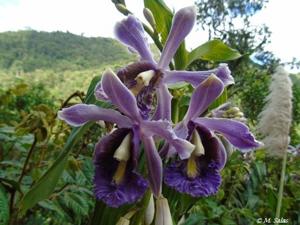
147,76
199,174
116,180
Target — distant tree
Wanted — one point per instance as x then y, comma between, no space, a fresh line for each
29,50
229,20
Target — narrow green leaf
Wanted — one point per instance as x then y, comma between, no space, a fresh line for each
214,50
162,16
46,184
4,208
181,57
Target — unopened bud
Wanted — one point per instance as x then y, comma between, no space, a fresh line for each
163,214
122,8
149,17
239,114
233,110
123,221
101,123
149,214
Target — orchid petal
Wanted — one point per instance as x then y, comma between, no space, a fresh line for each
235,132
203,96
165,131
99,93
196,77
164,100
131,32
78,115
154,165
214,149
182,24
119,95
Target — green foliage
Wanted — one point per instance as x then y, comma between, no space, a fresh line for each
4,208
251,88
214,50
295,131
72,200
249,191
31,50
46,184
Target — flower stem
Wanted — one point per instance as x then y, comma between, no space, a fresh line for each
27,159
280,192
175,110
13,218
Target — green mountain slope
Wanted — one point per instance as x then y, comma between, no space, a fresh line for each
30,50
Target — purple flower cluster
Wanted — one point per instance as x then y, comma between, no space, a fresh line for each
143,118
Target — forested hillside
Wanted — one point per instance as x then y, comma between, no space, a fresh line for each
31,50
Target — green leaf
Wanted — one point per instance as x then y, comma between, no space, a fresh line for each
214,50
181,57
46,184
20,89
11,183
4,208
163,18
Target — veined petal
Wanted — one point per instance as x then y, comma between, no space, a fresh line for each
165,131
131,32
164,100
154,165
78,115
120,95
182,24
237,133
203,96
196,77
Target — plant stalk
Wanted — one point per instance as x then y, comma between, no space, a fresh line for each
27,159
281,185
13,220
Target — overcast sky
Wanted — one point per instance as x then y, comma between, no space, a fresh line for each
96,18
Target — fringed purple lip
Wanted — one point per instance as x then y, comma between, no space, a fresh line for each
199,175
130,185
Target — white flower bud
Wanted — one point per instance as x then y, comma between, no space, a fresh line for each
123,221
149,214
149,17
162,212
